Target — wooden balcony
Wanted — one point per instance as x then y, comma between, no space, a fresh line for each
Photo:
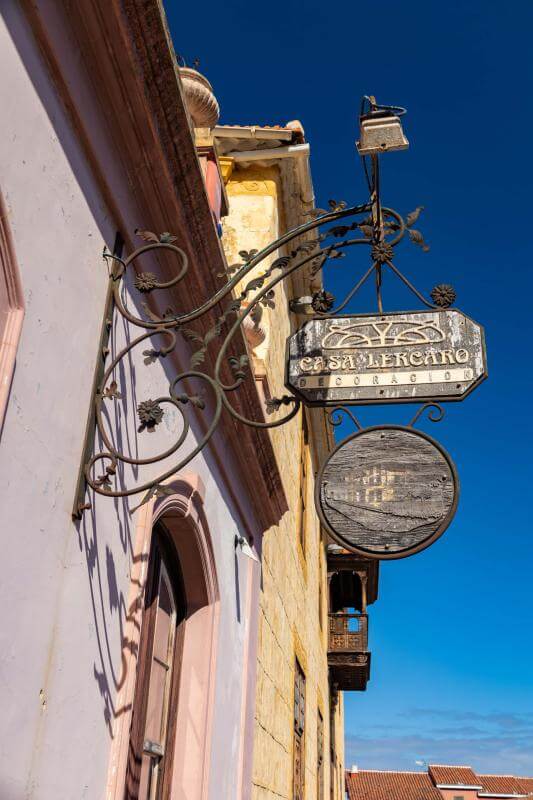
348,656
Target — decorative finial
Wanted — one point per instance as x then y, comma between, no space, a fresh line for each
199,97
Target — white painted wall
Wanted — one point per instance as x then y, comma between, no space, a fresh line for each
63,588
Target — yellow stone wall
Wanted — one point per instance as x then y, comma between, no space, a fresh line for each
290,625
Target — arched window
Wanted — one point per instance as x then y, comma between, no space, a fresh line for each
156,692
163,726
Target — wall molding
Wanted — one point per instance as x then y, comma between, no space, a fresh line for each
182,513
11,307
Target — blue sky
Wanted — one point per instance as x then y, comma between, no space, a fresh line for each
451,633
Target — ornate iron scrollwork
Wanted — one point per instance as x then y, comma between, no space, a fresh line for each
326,237
162,332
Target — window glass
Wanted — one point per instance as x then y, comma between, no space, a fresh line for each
298,737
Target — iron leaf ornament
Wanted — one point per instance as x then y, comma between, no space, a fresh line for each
273,404
112,392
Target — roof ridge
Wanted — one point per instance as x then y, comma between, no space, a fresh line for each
489,786
497,774
395,771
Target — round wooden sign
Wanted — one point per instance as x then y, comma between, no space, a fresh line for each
387,492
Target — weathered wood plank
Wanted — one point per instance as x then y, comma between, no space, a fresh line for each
387,492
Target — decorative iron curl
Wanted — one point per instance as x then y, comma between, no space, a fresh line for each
335,418
115,457
435,413
247,303
171,325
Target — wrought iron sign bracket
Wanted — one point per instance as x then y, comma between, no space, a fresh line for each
312,246
80,498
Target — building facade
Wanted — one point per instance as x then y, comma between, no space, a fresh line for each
129,652
312,630
192,641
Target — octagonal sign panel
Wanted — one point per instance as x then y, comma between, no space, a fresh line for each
388,358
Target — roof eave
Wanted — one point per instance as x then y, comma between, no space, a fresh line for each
252,132
464,786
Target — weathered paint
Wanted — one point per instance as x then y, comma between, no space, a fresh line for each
386,358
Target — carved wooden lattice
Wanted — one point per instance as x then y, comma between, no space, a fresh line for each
341,633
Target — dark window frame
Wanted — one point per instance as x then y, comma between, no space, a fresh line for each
298,791
320,756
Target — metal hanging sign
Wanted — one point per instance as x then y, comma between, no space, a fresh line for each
384,493
387,492
386,358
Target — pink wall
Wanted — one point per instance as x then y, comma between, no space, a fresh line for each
182,514
449,794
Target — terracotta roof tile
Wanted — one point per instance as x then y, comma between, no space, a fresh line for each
526,785
378,785
502,784
391,785
447,775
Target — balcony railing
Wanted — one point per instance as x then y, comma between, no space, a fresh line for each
348,632
348,656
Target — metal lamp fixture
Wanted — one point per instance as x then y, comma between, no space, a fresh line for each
246,547
380,129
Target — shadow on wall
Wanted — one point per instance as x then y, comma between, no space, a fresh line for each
107,543
106,598
104,536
